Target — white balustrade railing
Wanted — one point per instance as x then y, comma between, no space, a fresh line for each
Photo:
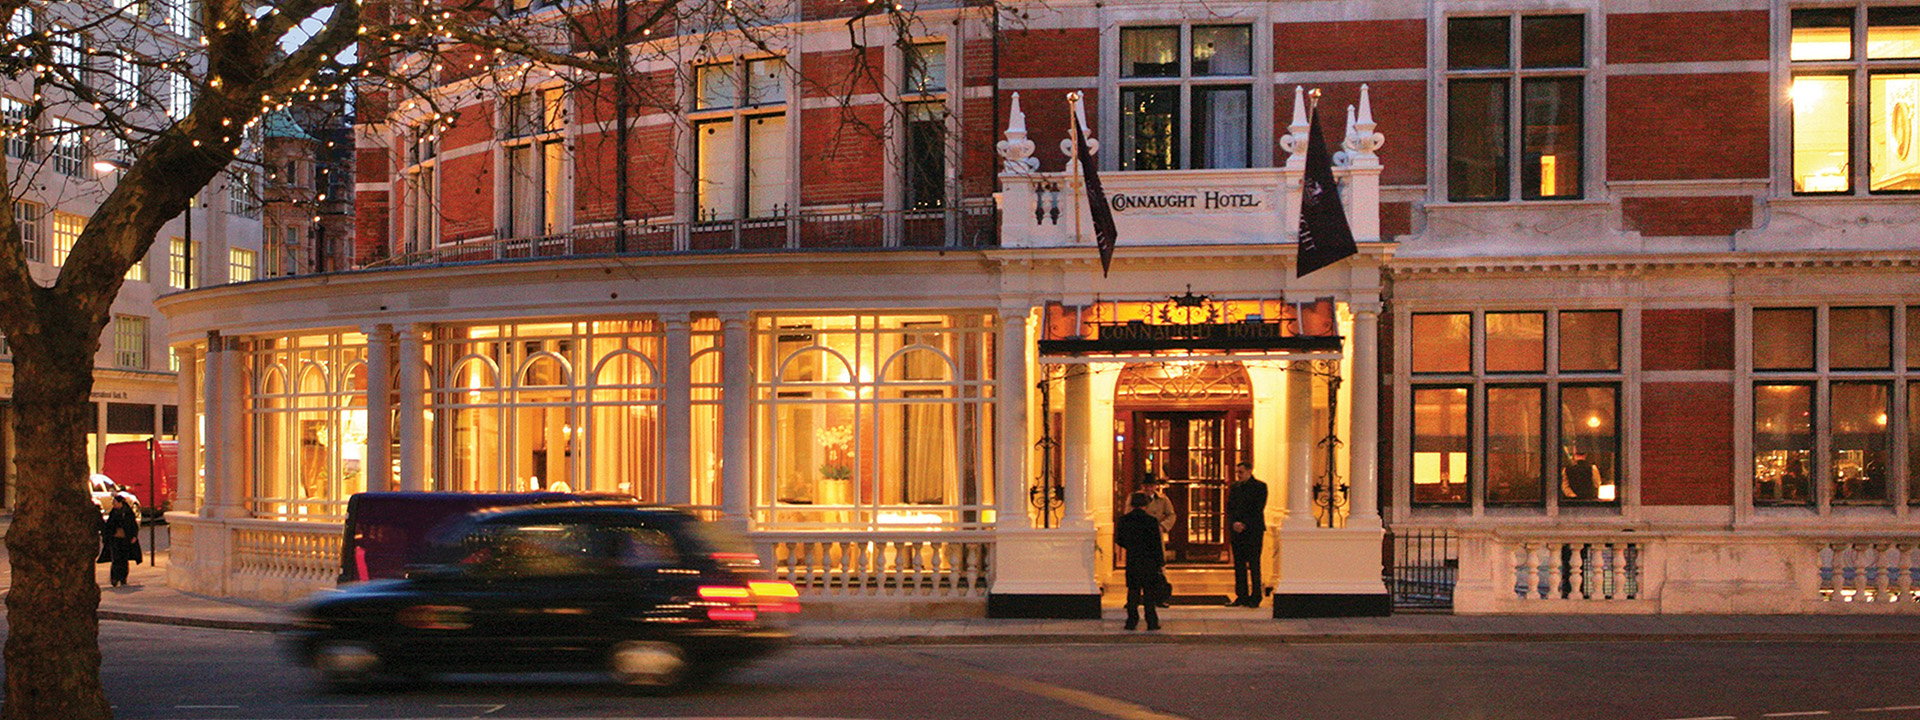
294,553
891,565
1604,569
1869,571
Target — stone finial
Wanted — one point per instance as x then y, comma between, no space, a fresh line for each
1295,141
1017,150
1361,139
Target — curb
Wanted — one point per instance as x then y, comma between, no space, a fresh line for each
1148,638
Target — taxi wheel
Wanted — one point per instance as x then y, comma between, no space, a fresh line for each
648,665
346,664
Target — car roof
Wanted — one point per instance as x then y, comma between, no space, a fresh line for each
586,508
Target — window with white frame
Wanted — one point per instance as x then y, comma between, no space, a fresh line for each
181,255
1186,97
243,194
923,94
177,15
1855,99
179,95
1827,382
130,342
66,231
535,148
25,21
137,272
1515,88
419,221
241,264
118,80
68,150
873,421
33,238
1499,421
740,139
19,130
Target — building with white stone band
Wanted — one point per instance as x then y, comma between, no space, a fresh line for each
1597,353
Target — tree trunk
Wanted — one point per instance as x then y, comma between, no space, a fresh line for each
53,640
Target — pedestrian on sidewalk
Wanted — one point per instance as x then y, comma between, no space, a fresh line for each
1247,518
119,539
1161,508
1139,534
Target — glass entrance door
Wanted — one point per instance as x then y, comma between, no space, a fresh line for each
1194,452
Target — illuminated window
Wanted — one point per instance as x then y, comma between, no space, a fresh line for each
306,413
540,406
1515,88
1212,128
1497,420
874,420
1843,58
241,265
740,140
1824,381
181,258
137,272
66,231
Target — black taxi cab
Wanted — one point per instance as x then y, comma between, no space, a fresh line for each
653,596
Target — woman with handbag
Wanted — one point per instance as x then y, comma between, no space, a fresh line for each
119,539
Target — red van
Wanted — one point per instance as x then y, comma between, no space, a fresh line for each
385,529
133,466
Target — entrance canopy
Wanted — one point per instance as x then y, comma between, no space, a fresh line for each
1189,327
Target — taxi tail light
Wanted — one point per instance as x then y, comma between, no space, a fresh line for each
775,596
730,603
730,593
734,614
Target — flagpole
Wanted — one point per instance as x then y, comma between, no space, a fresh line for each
1074,171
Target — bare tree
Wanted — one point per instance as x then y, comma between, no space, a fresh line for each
166,91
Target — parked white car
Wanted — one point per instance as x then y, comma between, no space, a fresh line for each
104,488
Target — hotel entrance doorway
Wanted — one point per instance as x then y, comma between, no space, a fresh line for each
1186,424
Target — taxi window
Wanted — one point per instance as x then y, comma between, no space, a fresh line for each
641,548
530,551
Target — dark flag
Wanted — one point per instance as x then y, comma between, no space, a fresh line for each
1104,232
1324,235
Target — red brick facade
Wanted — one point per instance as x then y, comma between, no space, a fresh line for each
1686,443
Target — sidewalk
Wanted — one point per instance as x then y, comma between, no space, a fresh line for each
149,600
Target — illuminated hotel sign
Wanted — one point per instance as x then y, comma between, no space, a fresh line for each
1190,323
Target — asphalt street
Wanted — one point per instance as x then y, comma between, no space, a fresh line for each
158,672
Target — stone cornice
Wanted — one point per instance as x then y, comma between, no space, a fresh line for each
1413,266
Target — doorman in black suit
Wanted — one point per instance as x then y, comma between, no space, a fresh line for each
1247,521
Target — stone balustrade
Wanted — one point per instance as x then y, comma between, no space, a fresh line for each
905,566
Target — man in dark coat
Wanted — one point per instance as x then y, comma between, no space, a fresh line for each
1139,534
119,533
1247,519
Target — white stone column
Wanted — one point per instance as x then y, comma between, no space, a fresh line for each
1010,420
676,410
1364,447
1076,477
379,455
1299,446
736,420
226,424
414,443
187,432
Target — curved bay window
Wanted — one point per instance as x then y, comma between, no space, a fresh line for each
567,406
307,409
874,421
